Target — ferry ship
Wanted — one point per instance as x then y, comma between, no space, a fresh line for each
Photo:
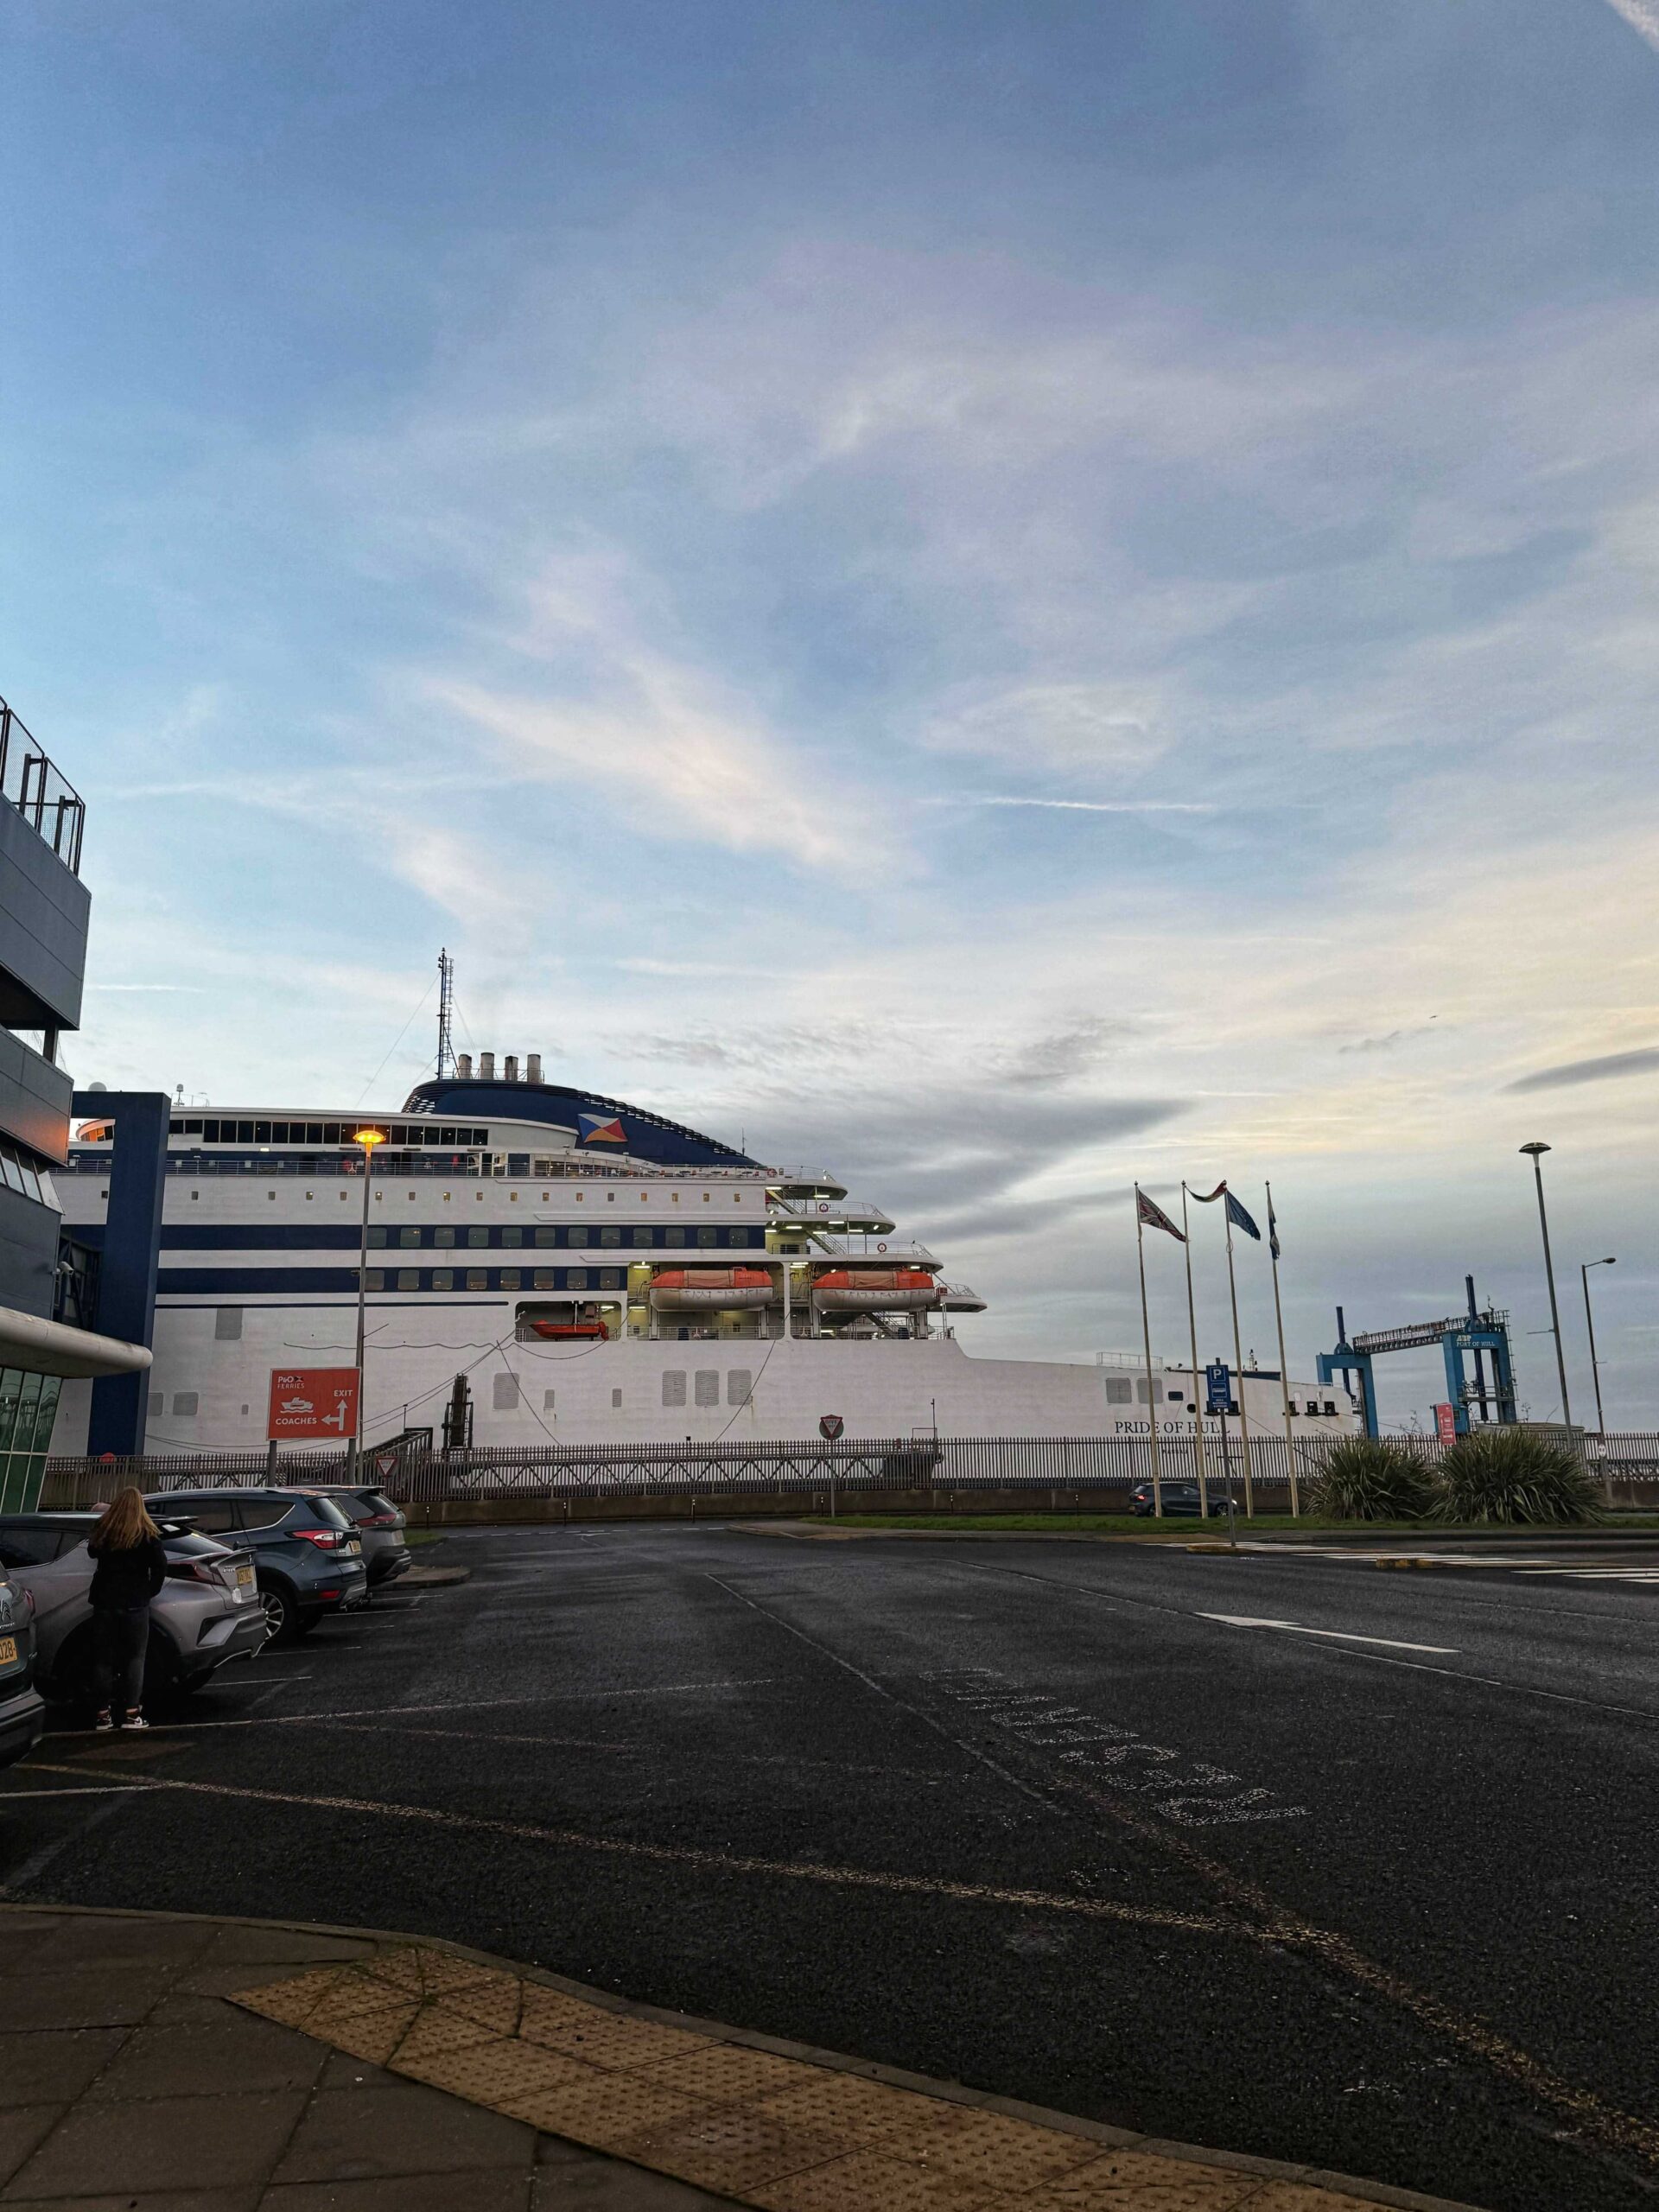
597,1273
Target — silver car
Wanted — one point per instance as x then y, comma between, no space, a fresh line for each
22,1713
206,1613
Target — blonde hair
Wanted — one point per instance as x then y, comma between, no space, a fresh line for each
124,1524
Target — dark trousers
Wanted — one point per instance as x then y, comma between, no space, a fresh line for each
119,1636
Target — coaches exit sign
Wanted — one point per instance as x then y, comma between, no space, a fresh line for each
312,1401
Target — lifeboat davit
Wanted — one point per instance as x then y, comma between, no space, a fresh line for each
719,1288
873,1290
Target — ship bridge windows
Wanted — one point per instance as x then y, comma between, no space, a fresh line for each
1120,1391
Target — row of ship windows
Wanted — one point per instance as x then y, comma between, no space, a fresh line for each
575,1234
507,1393
496,1279
224,1131
1123,1390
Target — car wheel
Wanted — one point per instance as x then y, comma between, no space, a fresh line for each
282,1617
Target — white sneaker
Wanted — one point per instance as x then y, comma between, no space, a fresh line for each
135,1721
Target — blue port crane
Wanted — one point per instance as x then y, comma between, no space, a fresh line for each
1481,1333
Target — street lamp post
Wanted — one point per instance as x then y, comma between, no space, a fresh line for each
1590,1329
1536,1152
368,1139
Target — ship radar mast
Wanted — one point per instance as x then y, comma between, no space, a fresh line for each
446,1015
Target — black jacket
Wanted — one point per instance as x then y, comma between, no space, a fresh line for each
126,1581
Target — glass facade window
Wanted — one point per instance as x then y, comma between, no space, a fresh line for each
408,1236
445,1236
443,1279
512,1236
576,1279
546,1279
509,1279
477,1236
547,1237
408,1278
609,1236
29,1406
478,1278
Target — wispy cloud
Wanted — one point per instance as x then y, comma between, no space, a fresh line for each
664,744
1090,805
1601,1070
1642,16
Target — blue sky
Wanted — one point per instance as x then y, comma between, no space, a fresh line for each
1008,598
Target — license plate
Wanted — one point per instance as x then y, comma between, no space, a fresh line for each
244,1578
8,1651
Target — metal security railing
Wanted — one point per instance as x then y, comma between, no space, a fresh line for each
46,800
1052,1473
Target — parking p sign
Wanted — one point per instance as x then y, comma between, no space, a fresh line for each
312,1401
1216,1394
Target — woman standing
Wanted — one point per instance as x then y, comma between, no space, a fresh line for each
131,1567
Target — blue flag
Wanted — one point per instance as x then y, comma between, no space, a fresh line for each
1240,1220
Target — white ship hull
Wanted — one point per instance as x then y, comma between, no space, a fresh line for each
549,1253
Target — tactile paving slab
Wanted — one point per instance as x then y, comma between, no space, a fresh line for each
783,2134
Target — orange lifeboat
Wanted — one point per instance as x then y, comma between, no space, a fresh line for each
873,1290
719,1288
568,1329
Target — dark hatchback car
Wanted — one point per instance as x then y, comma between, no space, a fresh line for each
306,1558
1180,1498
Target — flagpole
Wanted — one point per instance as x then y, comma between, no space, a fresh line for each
1284,1371
1238,1355
1198,1387
1146,1341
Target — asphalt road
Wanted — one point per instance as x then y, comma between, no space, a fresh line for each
1028,1816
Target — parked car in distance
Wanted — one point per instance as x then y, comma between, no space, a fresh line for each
379,1525
308,1560
23,1713
205,1614
1180,1498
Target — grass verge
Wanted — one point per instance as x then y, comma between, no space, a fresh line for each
1188,1525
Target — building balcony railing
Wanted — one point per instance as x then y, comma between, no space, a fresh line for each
46,801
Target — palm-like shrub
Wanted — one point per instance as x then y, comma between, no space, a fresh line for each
1372,1479
1513,1475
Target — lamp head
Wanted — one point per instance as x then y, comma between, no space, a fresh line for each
1534,1149
369,1138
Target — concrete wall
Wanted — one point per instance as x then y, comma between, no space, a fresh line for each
43,913
29,1253
34,1098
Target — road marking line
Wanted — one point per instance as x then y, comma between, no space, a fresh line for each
855,1878
89,1790
1340,1635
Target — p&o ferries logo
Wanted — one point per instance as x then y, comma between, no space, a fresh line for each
600,1128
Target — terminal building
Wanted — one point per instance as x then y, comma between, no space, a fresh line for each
44,1297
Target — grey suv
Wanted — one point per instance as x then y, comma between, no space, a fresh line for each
23,1715
306,1558
205,1613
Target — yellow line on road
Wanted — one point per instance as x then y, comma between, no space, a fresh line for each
851,1877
